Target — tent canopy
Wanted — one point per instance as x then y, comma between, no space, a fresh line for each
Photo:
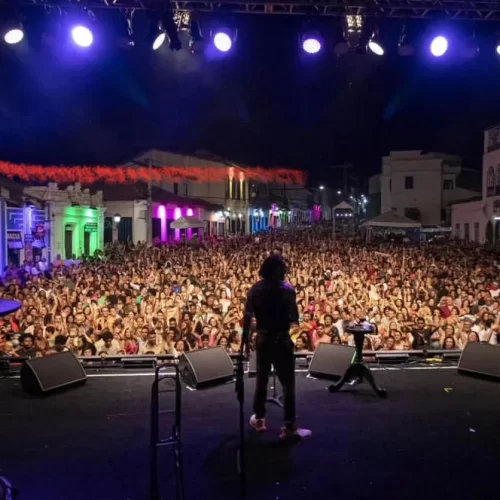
343,206
188,222
392,219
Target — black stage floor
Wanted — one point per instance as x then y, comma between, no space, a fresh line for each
424,441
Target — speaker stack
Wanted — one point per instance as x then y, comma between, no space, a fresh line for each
206,367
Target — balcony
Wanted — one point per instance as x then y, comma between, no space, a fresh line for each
493,139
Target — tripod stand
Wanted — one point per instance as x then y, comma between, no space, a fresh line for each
275,398
358,371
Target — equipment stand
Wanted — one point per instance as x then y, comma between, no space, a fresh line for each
358,370
240,394
174,440
275,398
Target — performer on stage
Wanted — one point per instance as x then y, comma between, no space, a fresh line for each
274,305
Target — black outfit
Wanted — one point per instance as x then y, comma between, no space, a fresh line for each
273,303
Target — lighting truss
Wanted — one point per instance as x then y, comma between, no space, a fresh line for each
480,10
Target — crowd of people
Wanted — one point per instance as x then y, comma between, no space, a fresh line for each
171,299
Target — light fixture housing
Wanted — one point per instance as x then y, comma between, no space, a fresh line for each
439,46
375,45
311,42
13,34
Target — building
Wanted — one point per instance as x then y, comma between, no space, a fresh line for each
423,186
248,205
479,220
126,214
23,225
73,219
232,193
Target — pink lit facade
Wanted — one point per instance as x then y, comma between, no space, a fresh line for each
164,215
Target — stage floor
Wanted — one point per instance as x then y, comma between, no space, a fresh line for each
436,436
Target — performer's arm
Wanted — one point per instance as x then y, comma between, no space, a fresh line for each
247,318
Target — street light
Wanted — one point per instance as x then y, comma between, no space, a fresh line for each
117,218
339,192
321,188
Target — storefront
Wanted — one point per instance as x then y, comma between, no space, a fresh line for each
27,234
76,231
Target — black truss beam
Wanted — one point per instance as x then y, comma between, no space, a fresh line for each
481,10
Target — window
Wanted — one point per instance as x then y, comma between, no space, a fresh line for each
390,185
448,184
184,189
443,214
476,232
490,181
457,230
466,230
176,188
409,182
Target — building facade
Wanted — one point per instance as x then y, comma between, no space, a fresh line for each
24,227
423,186
247,205
127,216
479,220
74,219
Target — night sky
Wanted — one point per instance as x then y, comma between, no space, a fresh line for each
265,104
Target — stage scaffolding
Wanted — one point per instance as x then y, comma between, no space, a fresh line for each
480,10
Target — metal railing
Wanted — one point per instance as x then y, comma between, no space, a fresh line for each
9,365
174,440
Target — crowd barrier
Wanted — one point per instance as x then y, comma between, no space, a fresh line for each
130,362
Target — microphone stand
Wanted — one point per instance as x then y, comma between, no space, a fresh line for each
240,394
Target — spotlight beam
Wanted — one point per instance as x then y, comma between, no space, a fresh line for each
483,10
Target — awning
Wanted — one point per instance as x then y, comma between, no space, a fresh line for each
392,220
188,222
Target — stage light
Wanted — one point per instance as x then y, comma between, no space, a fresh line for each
470,47
182,19
14,36
311,43
222,41
171,29
341,48
156,35
439,46
498,48
196,42
405,48
82,36
375,45
126,40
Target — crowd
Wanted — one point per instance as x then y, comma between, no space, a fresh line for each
171,299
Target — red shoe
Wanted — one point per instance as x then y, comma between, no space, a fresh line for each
298,433
258,424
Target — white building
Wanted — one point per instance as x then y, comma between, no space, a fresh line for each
75,219
129,205
479,220
232,193
423,186
249,205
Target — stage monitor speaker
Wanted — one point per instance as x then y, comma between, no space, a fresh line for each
331,361
206,367
43,375
481,360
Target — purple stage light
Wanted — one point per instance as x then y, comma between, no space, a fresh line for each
311,45
439,46
223,42
82,36
14,36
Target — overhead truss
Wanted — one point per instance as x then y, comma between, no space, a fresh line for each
481,10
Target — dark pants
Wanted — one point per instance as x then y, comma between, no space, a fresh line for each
278,352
